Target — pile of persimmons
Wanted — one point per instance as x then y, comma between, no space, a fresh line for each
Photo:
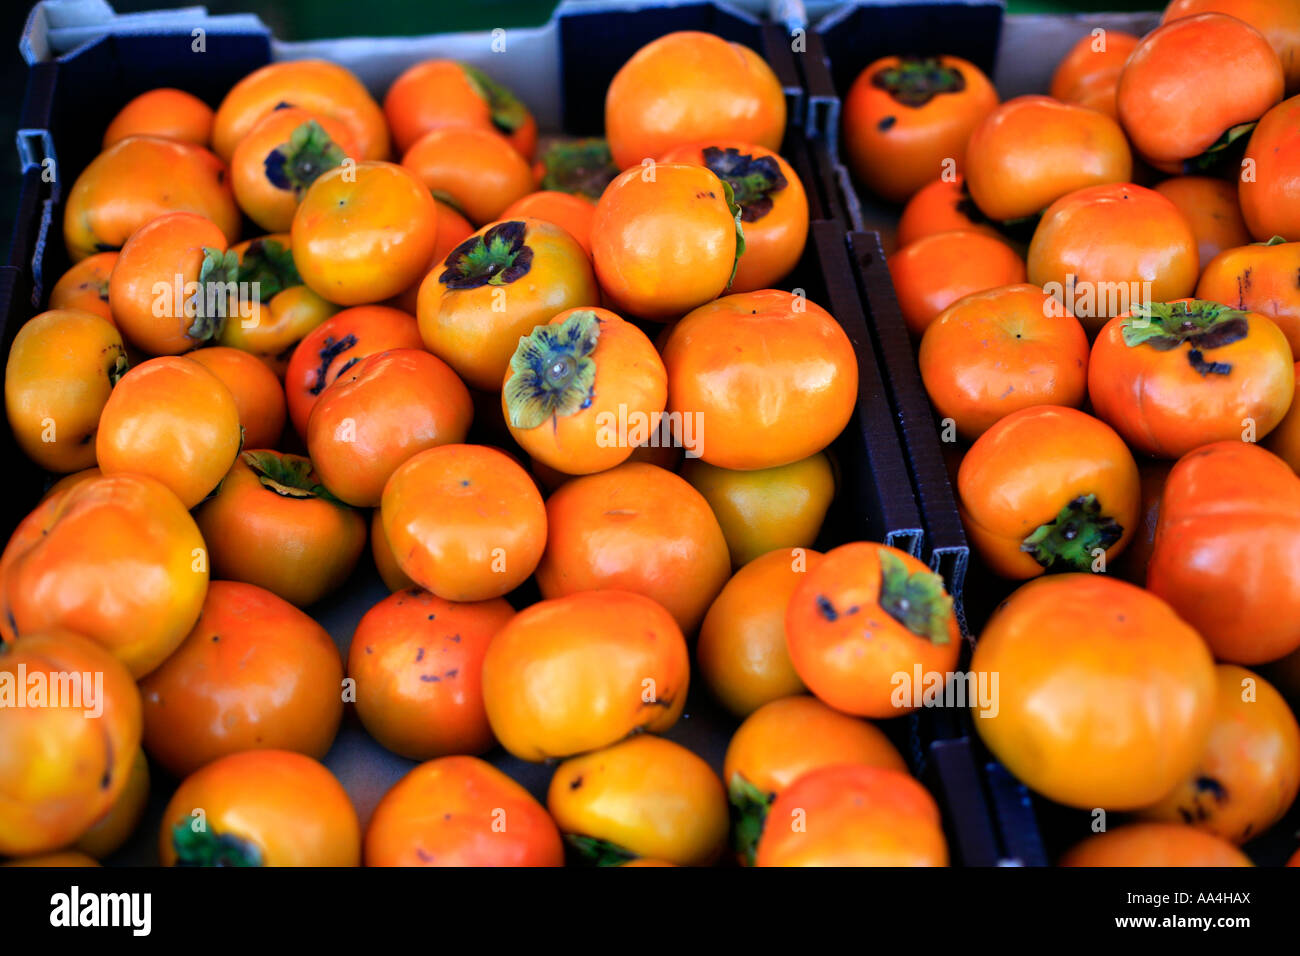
1103,285
565,375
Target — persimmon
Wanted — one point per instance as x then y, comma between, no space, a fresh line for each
1089,73
1048,488
379,413
464,521
280,157
453,229
907,119
165,113
418,665
569,383
496,286
363,233
339,343
172,419
436,93
641,797
1269,187
741,650
687,87
271,523
71,726
138,179
1249,774
1154,844
1211,208
111,831
1174,376
572,674
255,673
636,528
863,614
1132,564
260,808
773,206
1032,150
85,286
390,572
1126,244
572,213
1259,277
995,352
285,309
942,205
477,170
1227,550
934,272
665,240
313,85
1140,701
1192,85
258,396
116,558
461,811
1278,22
767,508
853,815
780,742
60,373
759,379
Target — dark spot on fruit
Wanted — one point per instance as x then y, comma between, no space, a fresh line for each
826,609
886,123
575,783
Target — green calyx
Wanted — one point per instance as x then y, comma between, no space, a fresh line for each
219,273
297,164
736,213
1275,241
749,807
290,476
497,256
915,599
117,364
268,264
1070,541
1223,151
206,848
508,114
754,180
918,79
596,852
583,167
554,372
1199,324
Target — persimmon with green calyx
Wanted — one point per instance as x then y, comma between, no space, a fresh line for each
572,379
497,286
439,93
1171,377
272,523
583,167
1046,488
287,151
863,614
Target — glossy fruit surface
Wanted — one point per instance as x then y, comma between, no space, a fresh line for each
573,674
636,528
260,808
258,395
437,93
1048,488
642,797
907,120
1270,196
759,379
1260,277
70,737
111,831
1110,712
417,661
995,352
117,559
461,811
476,170
687,87
85,286
1211,208
943,205
936,271
1227,550
1089,72
166,113
61,369
255,673
1279,22
1155,844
